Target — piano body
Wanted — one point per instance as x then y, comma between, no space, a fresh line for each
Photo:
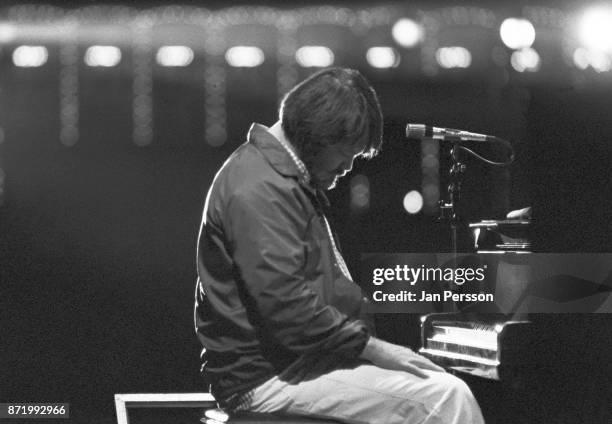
529,368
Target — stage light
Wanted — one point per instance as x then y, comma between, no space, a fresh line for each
429,147
598,60
69,135
104,56
2,185
177,56
407,33
595,28
244,56
413,202
314,56
581,58
382,57
453,57
30,56
601,62
526,59
431,192
517,33
7,33
431,162
360,192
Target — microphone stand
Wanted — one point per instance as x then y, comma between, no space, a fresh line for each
449,209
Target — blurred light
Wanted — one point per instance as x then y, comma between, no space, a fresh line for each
582,58
314,56
69,135
598,60
430,147
382,57
595,28
431,192
517,33
7,33
2,185
430,166
407,33
360,192
525,60
244,56
413,202
431,161
105,56
453,57
174,56
215,135
30,56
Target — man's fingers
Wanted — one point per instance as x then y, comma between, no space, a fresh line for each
412,369
435,367
425,363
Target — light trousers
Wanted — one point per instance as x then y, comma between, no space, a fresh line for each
357,392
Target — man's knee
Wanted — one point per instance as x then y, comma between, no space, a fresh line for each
458,389
456,403
448,389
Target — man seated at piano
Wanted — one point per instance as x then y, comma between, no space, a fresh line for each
277,311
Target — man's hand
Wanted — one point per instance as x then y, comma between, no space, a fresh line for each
394,357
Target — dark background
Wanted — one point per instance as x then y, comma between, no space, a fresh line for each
97,241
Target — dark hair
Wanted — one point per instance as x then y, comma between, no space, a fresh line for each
335,105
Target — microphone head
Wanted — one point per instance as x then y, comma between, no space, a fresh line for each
415,131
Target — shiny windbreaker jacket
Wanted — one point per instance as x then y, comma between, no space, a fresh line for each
269,289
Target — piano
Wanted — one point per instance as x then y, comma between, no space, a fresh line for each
492,346
532,368
488,346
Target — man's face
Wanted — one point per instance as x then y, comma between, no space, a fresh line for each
333,162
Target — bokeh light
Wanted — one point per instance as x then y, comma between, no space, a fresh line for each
177,56
517,33
314,56
382,57
413,202
599,61
595,28
104,56
360,192
7,32
525,60
30,56
453,57
407,33
244,56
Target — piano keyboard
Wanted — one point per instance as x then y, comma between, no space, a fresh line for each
468,346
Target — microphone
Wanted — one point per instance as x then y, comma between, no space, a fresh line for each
427,132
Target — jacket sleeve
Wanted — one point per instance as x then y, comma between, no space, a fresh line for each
266,228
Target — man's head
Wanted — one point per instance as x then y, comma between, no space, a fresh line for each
330,119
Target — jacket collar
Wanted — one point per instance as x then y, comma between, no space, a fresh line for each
274,152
